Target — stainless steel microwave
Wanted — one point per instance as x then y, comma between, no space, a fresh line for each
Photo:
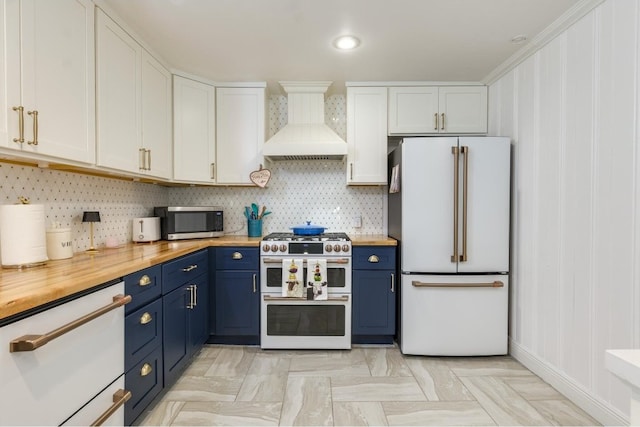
190,222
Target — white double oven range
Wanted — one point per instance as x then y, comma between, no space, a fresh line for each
307,317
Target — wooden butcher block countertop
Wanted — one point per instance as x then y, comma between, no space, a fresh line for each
28,288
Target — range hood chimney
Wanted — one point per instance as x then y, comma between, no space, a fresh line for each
305,136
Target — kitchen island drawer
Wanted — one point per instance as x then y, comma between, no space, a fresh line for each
114,396
182,270
237,258
143,332
374,258
143,286
145,381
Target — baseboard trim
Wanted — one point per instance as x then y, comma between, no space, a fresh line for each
595,407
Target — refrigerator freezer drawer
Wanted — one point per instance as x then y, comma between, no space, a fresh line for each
454,315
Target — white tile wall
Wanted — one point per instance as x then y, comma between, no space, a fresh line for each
298,191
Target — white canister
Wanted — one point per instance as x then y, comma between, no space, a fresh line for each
59,244
22,235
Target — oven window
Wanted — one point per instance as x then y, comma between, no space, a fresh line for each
306,320
336,277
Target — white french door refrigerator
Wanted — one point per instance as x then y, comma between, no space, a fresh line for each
449,208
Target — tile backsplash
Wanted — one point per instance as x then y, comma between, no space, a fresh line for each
298,191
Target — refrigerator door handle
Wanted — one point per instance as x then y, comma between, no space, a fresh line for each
465,151
495,284
456,171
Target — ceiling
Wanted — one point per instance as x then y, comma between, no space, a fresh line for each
275,40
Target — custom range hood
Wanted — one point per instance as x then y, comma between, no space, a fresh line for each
305,136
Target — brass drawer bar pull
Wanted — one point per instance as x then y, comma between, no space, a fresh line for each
34,113
144,281
373,259
191,267
20,138
145,318
120,397
268,298
496,284
32,342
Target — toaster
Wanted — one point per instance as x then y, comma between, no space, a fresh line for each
145,229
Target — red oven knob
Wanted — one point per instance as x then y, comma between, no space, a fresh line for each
345,248
328,248
336,248
274,248
283,248
266,248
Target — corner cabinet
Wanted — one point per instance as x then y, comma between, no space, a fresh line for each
237,296
194,112
416,110
240,124
366,135
47,84
374,295
133,98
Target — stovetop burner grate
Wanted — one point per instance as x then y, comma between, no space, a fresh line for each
324,237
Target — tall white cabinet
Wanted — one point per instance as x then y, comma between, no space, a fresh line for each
48,89
366,135
133,104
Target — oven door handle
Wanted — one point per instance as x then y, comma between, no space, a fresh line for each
329,261
270,298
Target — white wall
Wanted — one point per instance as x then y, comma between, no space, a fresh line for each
572,112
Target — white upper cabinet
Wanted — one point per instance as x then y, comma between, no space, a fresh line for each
48,91
432,109
366,135
194,156
240,123
134,104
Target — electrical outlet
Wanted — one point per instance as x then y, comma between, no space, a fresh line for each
357,221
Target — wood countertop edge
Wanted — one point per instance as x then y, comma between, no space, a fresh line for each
26,289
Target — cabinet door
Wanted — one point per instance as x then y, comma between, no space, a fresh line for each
118,96
240,133
237,303
194,131
199,315
412,110
174,332
374,308
464,109
157,131
55,84
366,135
9,73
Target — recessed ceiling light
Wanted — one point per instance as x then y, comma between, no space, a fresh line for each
519,39
346,42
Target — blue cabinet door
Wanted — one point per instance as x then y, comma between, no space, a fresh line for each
175,337
374,308
237,299
199,314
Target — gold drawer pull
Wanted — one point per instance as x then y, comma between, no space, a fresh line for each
496,284
120,397
144,281
20,138
191,267
145,370
145,318
32,341
373,259
236,255
34,113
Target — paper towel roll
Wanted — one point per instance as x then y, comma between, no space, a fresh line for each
22,235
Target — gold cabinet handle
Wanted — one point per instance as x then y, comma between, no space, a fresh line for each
393,282
145,318
373,259
236,255
141,153
213,171
32,341
34,113
456,159
495,284
144,281
191,267
435,120
120,397
465,174
255,283
351,171
148,160
20,110
145,370
442,121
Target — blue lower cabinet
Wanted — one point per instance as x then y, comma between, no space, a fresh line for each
145,381
175,326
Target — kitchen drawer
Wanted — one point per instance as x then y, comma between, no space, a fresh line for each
145,381
374,258
47,385
182,270
143,286
237,258
110,396
143,332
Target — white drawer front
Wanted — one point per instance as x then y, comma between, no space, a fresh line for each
47,385
99,405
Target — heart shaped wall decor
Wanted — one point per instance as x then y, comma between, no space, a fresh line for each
260,177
